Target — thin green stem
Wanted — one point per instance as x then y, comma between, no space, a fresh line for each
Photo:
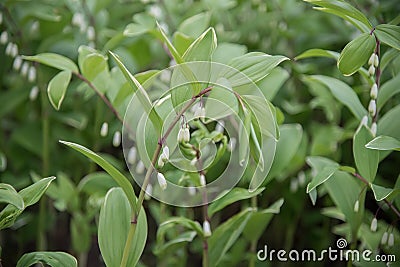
253,244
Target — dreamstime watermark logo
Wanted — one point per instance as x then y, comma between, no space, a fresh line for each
340,253
172,90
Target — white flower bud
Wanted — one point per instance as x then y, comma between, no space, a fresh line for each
155,11
200,112
384,238
186,135
364,120
371,70
372,107
202,180
374,128
160,162
376,61
181,135
24,68
165,153
206,228
148,191
301,177
391,240
132,153
104,129
371,59
193,162
32,74
9,47
294,185
35,26
374,91
220,126
14,50
33,93
117,139
77,19
374,225
231,144
356,206
4,37
161,181
90,33
192,190
17,63
139,167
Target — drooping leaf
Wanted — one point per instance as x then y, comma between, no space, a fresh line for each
380,192
54,60
202,48
232,196
195,25
322,177
122,181
389,34
384,143
316,52
52,258
175,243
114,225
185,222
143,23
163,37
58,87
356,54
387,91
10,196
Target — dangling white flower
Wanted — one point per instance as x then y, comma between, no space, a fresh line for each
90,33
32,74
232,144
148,191
104,129
371,70
164,157
301,177
180,135
384,238
364,120
186,134
139,167
371,59
193,162
14,50
200,112
374,128
356,206
17,63
33,93
376,60
161,181
35,26
220,126
374,91
78,19
202,180
391,240
4,37
372,107
155,11
9,47
294,185
117,139
132,153
374,225
24,68
192,190
206,228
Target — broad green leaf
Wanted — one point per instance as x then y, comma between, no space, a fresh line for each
388,34
366,159
96,182
342,92
93,65
387,91
319,163
195,25
202,48
114,225
253,66
380,192
271,84
316,52
52,258
226,235
81,234
226,51
58,87
356,54
344,10
142,94
181,42
54,60
175,243
163,37
230,197
384,143
10,196
121,180
14,99
259,220
322,177
221,101
388,57
185,222
244,135
389,123
143,23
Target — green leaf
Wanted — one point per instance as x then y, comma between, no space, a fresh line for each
253,66
121,180
96,182
384,143
163,37
181,42
388,34
52,258
81,234
380,192
195,25
229,197
174,244
226,235
202,48
244,135
114,224
322,177
366,159
54,60
316,52
3,161
185,222
221,101
259,220
226,51
10,196
356,54
387,91
342,92
58,87
144,23
142,94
